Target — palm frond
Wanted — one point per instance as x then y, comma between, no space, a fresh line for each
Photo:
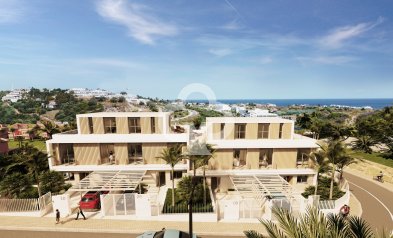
359,228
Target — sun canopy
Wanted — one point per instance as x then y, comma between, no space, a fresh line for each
271,186
110,181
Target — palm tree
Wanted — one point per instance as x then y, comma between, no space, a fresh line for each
364,143
48,127
313,224
344,161
334,151
321,164
203,161
34,160
172,156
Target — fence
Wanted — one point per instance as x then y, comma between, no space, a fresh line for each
183,208
45,203
334,206
19,205
29,206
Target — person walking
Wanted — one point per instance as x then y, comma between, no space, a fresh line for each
111,157
57,216
79,211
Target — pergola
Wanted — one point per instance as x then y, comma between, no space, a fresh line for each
271,186
109,181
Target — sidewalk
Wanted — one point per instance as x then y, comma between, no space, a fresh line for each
123,226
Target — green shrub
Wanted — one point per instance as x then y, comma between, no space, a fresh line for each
324,189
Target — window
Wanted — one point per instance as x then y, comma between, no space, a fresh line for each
301,179
265,157
110,125
236,154
222,130
177,174
153,125
134,124
135,153
263,131
90,122
280,131
240,131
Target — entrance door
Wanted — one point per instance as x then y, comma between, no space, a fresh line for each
214,183
162,178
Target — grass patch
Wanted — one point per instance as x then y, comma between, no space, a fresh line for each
373,157
39,144
181,206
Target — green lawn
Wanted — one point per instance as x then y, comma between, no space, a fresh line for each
39,144
374,157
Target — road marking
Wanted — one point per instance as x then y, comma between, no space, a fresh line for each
391,215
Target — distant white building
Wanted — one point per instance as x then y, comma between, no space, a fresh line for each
222,107
89,93
257,112
14,95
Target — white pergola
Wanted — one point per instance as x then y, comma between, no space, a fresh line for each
271,186
109,181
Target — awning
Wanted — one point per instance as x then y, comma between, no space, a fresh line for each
110,181
263,187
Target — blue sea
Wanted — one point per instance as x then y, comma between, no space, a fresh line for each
375,103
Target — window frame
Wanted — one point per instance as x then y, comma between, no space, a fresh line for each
240,134
112,127
134,128
263,130
90,125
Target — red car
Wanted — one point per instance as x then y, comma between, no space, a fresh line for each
91,200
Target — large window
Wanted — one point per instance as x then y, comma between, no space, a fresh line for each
135,153
153,125
90,122
240,131
110,125
263,130
265,157
280,131
134,124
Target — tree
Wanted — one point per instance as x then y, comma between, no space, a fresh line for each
314,224
334,151
197,122
203,161
51,181
184,188
47,127
172,156
321,165
34,161
344,161
16,185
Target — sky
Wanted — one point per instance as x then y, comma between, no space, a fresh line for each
270,49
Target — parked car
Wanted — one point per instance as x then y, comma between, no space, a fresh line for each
170,233
91,200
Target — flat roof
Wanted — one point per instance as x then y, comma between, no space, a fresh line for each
125,114
120,138
247,120
264,143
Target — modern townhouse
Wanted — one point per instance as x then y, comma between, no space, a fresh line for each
261,146
118,141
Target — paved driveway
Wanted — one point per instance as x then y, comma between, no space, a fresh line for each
377,202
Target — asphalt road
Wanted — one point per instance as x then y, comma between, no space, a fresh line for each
50,234
377,202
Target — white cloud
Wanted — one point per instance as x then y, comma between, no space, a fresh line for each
337,37
232,25
221,52
11,11
142,26
335,60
